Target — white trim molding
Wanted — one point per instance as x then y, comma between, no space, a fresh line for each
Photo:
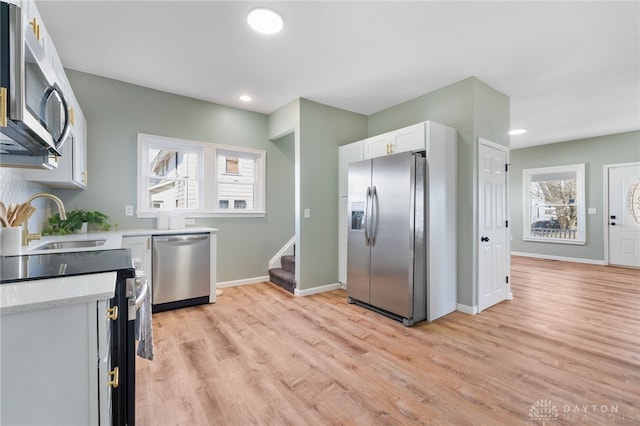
465,309
316,290
561,258
246,281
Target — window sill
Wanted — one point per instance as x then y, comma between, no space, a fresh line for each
554,241
202,215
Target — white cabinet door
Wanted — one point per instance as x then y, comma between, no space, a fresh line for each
72,163
411,138
33,24
377,146
106,372
343,209
347,154
79,171
140,248
48,363
408,139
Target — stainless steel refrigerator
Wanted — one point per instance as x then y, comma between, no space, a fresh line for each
386,242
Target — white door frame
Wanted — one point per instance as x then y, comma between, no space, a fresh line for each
507,151
605,203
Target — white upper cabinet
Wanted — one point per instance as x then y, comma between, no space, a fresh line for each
72,163
34,23
71,171
411,138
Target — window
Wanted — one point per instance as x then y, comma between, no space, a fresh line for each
554,204
236,179
199,179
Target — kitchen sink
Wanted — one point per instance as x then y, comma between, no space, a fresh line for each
57,245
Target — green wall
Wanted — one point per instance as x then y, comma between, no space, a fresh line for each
595,153
322,130
475,110
117,111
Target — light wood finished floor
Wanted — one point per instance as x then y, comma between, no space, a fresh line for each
569,342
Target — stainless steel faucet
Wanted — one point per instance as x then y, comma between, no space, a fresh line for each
26,236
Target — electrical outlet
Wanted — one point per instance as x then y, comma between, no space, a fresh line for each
128,210
189,221
307,213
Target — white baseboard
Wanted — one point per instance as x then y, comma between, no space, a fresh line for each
316,290
465,309
245,281
562,258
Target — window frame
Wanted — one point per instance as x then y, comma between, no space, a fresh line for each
206,177
580,203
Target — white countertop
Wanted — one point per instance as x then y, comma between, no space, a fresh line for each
40,294
113,239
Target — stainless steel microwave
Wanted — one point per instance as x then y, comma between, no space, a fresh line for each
34,115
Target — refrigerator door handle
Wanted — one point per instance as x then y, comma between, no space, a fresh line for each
366,217
374,216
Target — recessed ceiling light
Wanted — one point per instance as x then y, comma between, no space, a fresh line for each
265,21
245,98
516,132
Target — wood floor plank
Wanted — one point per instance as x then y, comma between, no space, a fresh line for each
260,356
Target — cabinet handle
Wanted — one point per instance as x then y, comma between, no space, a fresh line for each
36,27
112,313
114,376
3,107
389,148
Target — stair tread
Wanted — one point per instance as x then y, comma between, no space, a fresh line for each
282,273
282,278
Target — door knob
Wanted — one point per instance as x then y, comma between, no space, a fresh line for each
484,239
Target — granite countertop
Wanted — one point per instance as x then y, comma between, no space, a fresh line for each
38,281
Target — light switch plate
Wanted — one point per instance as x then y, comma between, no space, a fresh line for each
592,210
128,210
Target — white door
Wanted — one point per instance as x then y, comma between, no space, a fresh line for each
493,253
624,215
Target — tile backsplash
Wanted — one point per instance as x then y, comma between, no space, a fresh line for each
14,189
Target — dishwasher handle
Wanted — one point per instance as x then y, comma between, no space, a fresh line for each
181,238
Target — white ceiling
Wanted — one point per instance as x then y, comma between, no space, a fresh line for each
571,69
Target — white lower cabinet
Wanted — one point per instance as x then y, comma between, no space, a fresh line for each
55,366
140,248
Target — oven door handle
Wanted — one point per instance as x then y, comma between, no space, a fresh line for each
143,295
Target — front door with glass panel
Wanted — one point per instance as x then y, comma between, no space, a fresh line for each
624,215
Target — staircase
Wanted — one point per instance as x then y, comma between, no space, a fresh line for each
285,276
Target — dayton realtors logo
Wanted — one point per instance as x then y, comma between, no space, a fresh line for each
546,411
543,410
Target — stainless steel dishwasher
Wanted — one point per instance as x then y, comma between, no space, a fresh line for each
181,271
